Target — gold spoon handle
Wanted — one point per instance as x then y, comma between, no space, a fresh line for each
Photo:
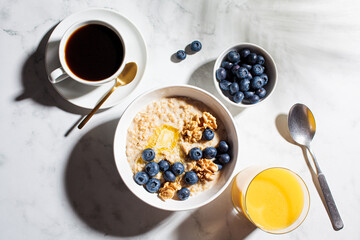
87,118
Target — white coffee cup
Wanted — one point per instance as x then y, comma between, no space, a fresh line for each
64,71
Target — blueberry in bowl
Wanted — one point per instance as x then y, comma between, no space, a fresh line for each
245,75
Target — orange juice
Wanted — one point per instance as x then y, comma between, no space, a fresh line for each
273,199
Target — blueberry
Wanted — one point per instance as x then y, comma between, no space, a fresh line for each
209,152
221,74
234,88
251,58
233,56
195,153
190,178
248,94
141,178
235,68
218,164
164,165
223,146
169,176
265,77
257,82
152,168
224,85
249,76
257,70
196,46
244,85
260,60
153,185
253,99
247,66
238,97
183,193
261,92
227,65
242,72
244,53
208,134
177,168
148,155
181,55
223,158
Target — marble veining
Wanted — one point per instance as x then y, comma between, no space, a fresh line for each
58,182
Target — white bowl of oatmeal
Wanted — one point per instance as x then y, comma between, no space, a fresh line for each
171,120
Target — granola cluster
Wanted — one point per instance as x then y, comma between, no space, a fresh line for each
205,170
193,129
168,190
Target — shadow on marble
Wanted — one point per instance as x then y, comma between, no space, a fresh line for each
98,195
216,220
281,123
202,77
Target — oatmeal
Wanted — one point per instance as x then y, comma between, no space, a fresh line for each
172,127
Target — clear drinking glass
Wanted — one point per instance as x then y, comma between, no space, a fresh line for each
274,199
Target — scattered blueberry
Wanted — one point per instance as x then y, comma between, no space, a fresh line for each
209,152
190,178
153,185
181,55
152,168
183,193
224,85
195,153
261,92
169,176
148,155
249,76
238,97
257,70
265,77
227,65
253,99
251,58
234,88
244,85
233,56
164,165
242,72
247,66
223,146
208,134
196,46
141,178
260,60
257,82
248,94
221,74
177,168
223,158
244,53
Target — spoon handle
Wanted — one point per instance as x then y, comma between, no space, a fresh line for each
330,203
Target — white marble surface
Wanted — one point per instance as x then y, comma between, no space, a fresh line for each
59,183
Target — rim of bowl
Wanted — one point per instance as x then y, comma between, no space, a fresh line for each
238,46
235,143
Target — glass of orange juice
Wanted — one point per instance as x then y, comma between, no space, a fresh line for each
274,199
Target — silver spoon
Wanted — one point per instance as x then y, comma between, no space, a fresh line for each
302,128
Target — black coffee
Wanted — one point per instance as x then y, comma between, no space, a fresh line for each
94,52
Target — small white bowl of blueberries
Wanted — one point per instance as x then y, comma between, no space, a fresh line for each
245,75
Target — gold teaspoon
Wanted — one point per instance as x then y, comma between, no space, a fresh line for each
126,77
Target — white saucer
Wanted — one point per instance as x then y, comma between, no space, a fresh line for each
88,96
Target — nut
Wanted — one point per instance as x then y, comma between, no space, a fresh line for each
168,190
